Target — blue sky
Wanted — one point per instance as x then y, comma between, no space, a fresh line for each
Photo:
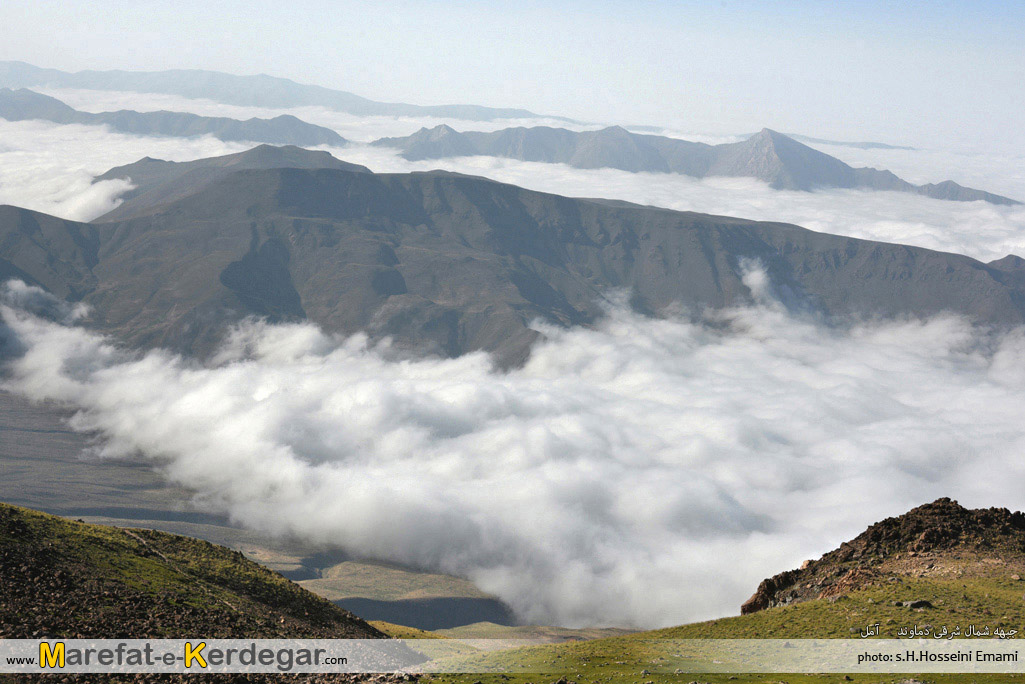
914,72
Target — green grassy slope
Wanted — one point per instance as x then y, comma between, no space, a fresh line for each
993,600
966,565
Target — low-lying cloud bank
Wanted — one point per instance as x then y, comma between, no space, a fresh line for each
645,472
977,229
349,126
50,168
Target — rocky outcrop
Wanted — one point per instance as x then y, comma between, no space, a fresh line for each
60,578
918,538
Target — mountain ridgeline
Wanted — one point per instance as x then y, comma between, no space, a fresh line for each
780,161
246,91
21,105
443,263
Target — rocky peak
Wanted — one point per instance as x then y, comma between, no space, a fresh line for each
942,527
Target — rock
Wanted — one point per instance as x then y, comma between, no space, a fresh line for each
920,603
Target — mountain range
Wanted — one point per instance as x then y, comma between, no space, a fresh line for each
443,263
780,161
24,104
249,91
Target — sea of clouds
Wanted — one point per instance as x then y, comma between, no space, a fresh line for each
48,167
642,473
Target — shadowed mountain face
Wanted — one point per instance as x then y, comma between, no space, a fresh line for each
247,91
55,254
445,263
780,161
19,105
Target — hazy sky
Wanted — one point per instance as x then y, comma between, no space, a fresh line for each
911,71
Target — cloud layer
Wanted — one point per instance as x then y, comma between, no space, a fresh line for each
645,472
349,126
49,167
978,229
640,473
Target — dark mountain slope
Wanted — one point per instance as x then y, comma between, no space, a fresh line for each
50,252
19,105
780,161
451,263
255,91
448,264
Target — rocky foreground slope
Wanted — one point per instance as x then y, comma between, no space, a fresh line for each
60,578
935,540
938,566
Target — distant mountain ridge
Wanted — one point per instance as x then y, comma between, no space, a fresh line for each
24,104
860,145
249,91
780,161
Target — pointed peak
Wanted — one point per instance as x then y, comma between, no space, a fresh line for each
435,133
614,130
767,134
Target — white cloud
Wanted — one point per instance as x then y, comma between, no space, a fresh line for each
984,231
1003,174
645,472
48,167
349,126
